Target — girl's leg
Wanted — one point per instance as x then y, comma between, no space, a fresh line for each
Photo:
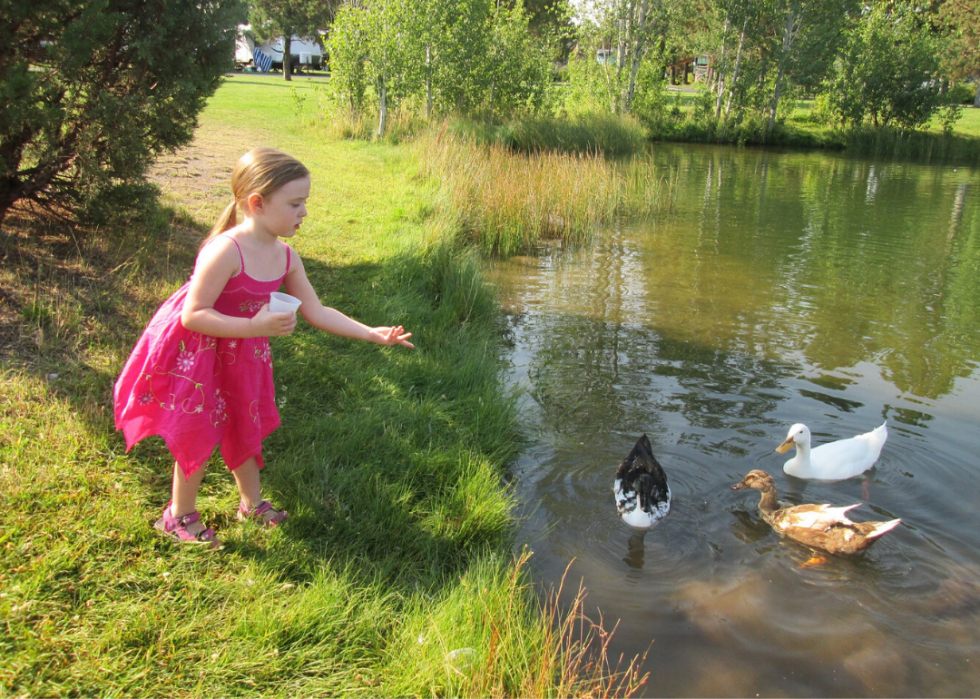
185,496
247,478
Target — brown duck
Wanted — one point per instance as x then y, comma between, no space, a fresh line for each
818,526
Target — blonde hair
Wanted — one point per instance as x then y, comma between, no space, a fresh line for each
260,171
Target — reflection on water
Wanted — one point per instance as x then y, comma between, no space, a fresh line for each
783,288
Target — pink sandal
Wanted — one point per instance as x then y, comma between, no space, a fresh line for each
176,528
258,514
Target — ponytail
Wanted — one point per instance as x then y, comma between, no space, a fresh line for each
227,220
261,171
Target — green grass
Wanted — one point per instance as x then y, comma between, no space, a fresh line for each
391,462
968,125
595,133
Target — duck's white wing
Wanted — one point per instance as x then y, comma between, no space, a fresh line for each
625,497
813,516
847,458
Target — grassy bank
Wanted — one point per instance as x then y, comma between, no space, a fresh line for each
797,128
394,575
617,135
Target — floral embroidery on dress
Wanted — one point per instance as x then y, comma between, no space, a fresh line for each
219,416
264,352
251,306
185,360
146,398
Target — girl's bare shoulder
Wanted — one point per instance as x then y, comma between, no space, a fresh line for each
219,252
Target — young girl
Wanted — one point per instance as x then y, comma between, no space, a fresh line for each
201,373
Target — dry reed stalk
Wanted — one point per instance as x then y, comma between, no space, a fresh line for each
509,201
572,657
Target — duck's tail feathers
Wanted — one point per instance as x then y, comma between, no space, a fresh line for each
882,528
642,447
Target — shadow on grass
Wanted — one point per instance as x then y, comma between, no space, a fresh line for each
388,457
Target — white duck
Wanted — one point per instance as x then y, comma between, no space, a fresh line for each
834,461
641,490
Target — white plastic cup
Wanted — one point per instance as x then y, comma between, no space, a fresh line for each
283,303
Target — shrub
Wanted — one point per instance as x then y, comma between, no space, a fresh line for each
93,91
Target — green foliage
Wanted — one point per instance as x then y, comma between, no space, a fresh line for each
704,107
650,105
949,114
962,93
519,63
888,72
348,68
591,86
93,92
469,57
961,57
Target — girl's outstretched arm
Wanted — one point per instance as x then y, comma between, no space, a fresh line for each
332,320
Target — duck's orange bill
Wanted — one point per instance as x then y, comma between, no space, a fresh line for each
785,446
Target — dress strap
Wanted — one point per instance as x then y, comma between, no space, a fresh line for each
241,258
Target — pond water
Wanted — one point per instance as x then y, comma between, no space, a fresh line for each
782,288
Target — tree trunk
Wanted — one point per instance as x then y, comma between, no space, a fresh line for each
722,68
428,81
287,53
777,92
641,26
976,100
738,64
383,107
11,156
621,49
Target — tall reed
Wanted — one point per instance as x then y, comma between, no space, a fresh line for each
508,202
460,645
596,132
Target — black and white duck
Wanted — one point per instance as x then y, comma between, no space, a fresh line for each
641,490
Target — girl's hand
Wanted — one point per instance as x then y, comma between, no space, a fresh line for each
391,336
267,324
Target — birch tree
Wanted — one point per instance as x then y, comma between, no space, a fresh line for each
962,22
809,38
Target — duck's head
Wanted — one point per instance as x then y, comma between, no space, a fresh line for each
798,435
755,479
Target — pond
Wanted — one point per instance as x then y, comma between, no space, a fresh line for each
781,288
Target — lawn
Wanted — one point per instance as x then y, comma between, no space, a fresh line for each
396,573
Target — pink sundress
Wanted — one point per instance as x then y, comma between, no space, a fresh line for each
198,391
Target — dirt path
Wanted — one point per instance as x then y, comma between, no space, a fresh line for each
197,178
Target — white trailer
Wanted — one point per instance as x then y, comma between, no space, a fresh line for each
305,52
